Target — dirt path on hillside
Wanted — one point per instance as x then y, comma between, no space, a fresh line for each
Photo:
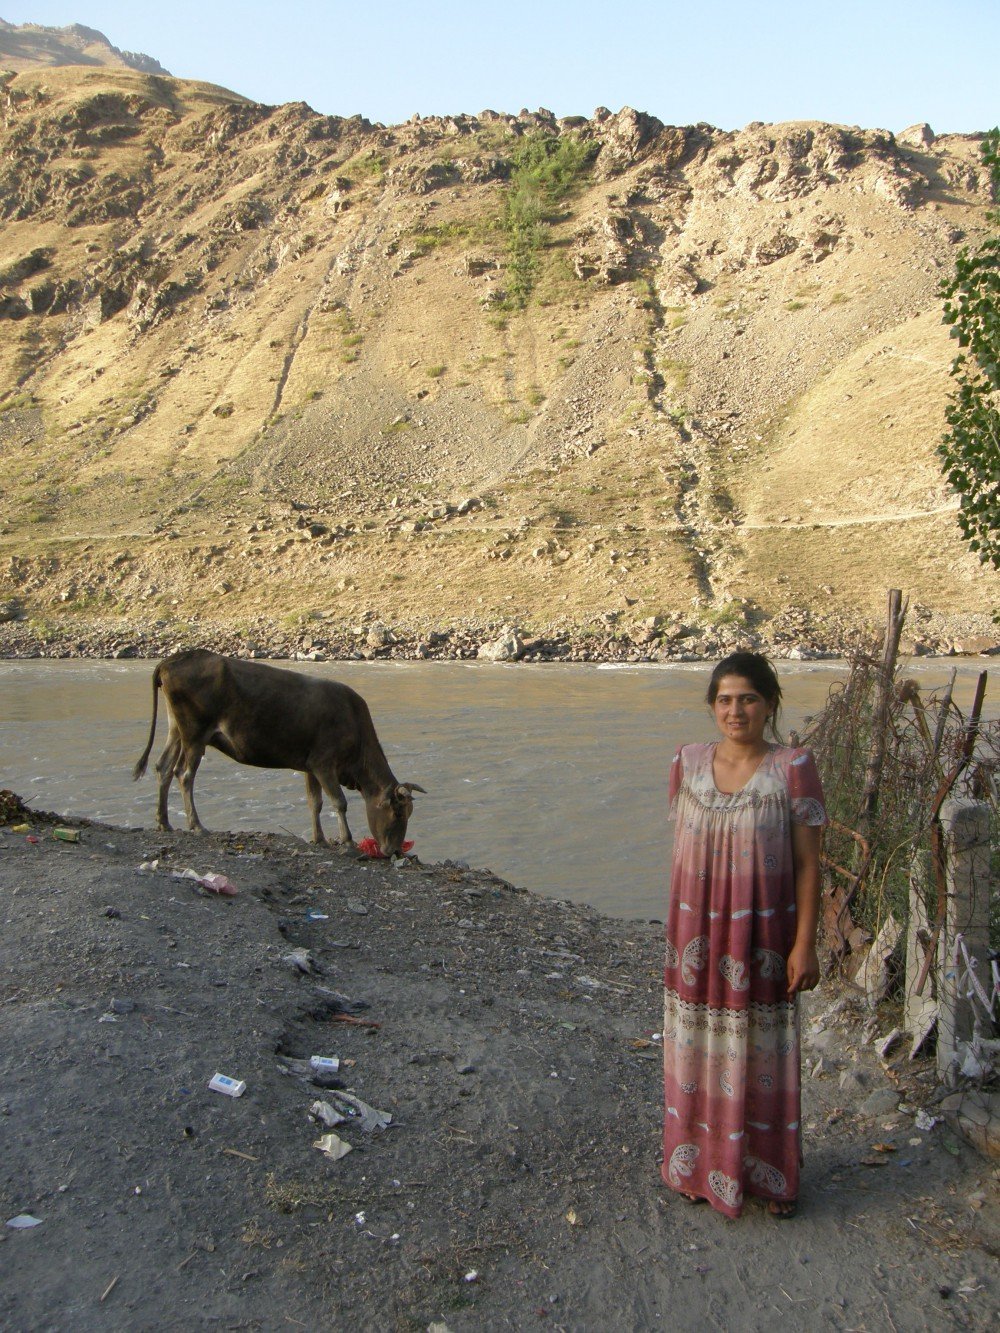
512,1041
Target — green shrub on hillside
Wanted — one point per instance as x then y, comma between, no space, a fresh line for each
545,172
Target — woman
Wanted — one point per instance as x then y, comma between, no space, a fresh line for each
741,944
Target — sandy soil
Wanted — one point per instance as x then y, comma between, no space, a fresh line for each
510,1038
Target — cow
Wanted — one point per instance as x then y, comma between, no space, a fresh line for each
272,718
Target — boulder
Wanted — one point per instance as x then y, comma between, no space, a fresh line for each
509,647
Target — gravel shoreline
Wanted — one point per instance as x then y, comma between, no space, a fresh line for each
653,640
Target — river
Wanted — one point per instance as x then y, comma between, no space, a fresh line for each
554,776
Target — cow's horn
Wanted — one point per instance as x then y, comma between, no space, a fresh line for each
410,787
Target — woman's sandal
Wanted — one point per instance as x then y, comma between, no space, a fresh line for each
691,1198
782,1209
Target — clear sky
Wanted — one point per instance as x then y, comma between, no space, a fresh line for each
877,63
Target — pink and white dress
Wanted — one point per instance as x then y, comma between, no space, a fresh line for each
730,1033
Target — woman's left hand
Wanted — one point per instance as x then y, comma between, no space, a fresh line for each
803,968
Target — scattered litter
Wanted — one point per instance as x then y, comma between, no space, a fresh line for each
360,1219
354,1109
66,834
32,839
357,907
300,960
924,1122
108,1290
472,1275
211,881
332,1146
231,1087
20,828
313,915
573,1218
326,1114
24,1221
146,867
325,1064
235,1152
883,1147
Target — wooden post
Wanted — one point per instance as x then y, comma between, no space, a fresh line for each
876,750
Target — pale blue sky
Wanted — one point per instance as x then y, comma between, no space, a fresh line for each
883,63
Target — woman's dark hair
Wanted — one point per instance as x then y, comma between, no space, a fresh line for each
758,670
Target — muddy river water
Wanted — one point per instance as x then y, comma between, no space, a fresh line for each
553,776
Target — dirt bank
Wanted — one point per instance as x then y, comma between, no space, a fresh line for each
511,1038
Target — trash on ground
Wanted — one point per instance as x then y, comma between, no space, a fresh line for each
300,960
231,1087
32,839
370,848
326,1114
332,1146
20,828
472,1275
925,1122
313,915
146,866
24,1221
354,1109
66,834
211,881
326,1064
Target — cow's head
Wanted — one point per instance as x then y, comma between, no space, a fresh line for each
388,813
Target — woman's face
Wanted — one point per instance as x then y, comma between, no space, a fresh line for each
741,713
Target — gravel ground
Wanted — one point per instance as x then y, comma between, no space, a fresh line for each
513,1041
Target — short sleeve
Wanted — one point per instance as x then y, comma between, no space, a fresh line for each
805,792
676,775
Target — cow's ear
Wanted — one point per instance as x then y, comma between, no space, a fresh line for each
412,787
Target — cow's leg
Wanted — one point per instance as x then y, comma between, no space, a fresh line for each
187,769
314,795
166,765
338,800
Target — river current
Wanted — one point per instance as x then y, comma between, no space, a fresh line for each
554,776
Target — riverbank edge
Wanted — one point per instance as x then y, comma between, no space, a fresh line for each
373,640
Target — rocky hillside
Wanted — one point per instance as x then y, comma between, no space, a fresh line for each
640,386
30,45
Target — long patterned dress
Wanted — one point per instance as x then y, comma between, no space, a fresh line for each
730,1033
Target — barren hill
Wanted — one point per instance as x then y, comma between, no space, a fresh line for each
606,377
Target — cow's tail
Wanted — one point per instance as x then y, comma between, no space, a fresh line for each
140,767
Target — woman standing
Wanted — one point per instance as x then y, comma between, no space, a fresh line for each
741,944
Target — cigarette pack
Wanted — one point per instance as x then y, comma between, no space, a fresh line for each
231,1087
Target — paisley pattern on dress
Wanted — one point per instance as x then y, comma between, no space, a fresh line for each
681,1163
694,957
769,964
672,956
725,1188
735,972
764,1174
807,810
726,1083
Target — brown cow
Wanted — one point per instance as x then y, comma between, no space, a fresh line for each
270,718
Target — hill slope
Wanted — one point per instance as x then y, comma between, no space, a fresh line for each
253,361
